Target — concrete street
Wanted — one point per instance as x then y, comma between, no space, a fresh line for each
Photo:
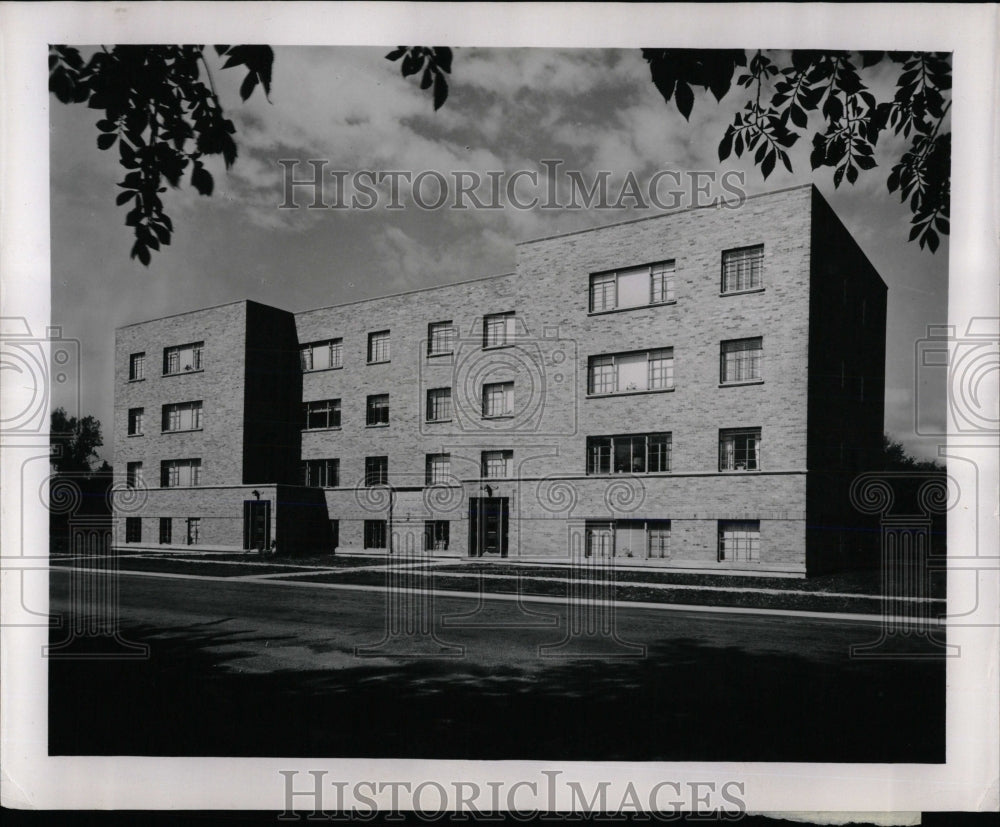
248,668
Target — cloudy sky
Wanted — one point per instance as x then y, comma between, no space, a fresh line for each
508,110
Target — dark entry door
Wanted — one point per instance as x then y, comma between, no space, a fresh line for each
488,519
257,524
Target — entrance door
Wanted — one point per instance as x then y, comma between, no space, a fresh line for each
257,524
488,520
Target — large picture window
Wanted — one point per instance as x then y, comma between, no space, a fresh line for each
180,473
323,413
629,454
182,358
184,416
632,287
739,540
322,355
637,371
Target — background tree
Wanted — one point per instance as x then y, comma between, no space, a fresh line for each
895,458
75,442
160,108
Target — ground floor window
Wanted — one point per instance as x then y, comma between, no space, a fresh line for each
375,533
739,540
133,529
193,530
436,535
628,538
166,529
335,533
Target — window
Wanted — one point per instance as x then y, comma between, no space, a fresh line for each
742,268
739,450
136,367
376,470
378,347
193,530
321,473
335,534
378,410
658,535
133,474
436,535
166,530
180,473
498,464
440,338
647,370
322,355
135,421
629,454
133,529
185,416
438,469
498,399
182,358
741,360
439,404
498,329
632,287
323,413
627,538
739,540
375,533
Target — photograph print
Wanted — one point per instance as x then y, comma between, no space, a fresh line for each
500,403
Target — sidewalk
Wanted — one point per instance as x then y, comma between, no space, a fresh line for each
851,593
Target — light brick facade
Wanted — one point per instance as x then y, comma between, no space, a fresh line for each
818,313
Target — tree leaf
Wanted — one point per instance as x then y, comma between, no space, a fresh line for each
798,116
684,98
124,197
106,139
396,53
767,167
440,91
201,180
726,144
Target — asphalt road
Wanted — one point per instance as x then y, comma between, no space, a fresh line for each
243,668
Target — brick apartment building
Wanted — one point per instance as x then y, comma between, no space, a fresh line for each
693,390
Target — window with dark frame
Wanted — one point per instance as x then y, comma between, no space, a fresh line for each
498,329
629,453
166,530
436,535
180,473
135,418
322,355
376,471
133,474
739,541
438,404
377,410
193,530
378,347
375,533
440,338
741,360
438,469
498,399
631,372
739,449
133,529
631,287
182,358
497,464
137,367
183,416
742,269
321,473
322,413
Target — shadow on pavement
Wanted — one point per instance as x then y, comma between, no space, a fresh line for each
684,701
